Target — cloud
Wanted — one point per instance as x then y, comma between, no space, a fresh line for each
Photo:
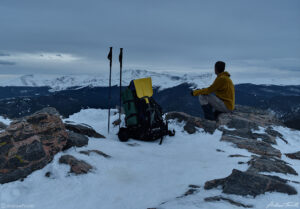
6,63
156,35
2,54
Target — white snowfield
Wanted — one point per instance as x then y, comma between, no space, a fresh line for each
59,82
145,175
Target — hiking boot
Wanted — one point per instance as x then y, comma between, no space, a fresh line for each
208,112
216,114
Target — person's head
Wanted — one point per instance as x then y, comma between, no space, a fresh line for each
219,67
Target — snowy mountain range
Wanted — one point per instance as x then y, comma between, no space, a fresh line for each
26,94
63,82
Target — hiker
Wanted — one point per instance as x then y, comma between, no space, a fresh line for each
219,96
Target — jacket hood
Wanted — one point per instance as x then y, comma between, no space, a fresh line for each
225,73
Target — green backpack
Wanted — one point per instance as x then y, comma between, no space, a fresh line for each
131,116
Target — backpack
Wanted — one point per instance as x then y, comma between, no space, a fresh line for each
143,116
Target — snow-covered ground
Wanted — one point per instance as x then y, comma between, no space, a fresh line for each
142,176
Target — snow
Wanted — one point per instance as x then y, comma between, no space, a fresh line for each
62,82
4,120
142,176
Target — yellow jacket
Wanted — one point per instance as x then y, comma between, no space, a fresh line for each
223,88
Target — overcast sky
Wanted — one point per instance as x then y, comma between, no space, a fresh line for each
73,36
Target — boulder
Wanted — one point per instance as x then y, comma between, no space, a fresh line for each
30,143
249,183
295,155
269,164
76,140
76,166
83,129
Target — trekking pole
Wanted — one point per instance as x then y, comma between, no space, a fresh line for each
109,56
121,66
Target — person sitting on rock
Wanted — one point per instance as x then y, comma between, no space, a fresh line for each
219,96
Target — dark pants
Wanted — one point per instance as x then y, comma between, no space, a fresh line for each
210,102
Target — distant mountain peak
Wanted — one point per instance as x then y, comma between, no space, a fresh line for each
162,80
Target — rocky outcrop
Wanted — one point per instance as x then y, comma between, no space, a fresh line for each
243,119
251,129
248,117
269,164
76,166
249,134
30,143
241,128
248,183
254,146
76,140
295,155
83,129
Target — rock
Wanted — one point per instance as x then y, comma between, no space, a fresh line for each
247,133
133,144
88,152
76,140
190,127
248,183
237,155
29,144
194,186
49,110
233,202
77,166
295,155
192,122
48,174
117,122
264,137
254,146
275,134
193,189
219,150
83,129
269,164
244,119
248,117
2,126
